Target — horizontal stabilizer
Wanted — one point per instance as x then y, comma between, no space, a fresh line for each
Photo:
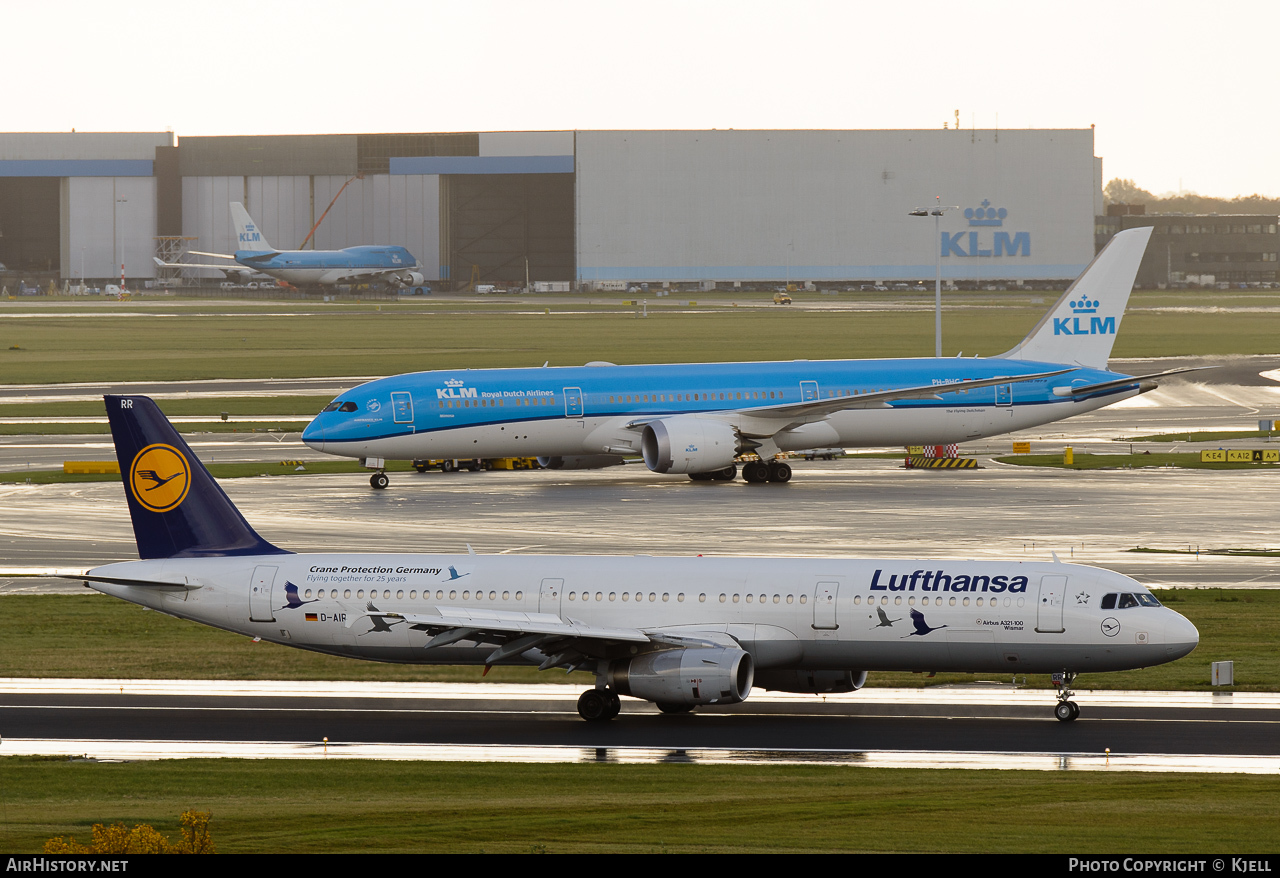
143,583
1087,389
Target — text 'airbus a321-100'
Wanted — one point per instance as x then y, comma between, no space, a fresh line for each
679,632
700,419
301,268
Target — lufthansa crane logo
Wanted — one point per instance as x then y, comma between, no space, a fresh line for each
160,477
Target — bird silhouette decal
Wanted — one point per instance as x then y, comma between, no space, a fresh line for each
379,620
152,476
454,574
292,600
922,627
885,621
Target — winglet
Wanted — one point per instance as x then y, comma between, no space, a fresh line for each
248,235
1081,327
178,509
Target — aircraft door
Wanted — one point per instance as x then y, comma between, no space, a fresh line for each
402,407
1053,590
260,606
1004,394
573,402
549,596
808,391
824,607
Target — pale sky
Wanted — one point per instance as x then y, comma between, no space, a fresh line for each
1182,93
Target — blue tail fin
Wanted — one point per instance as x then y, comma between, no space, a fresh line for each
177,508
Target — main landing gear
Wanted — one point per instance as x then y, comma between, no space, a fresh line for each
1066,710
757,471
379,480
598,705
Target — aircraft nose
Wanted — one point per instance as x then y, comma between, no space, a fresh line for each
1180,636
313,435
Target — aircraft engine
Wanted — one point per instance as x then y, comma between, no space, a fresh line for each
411,279
688,444
582,461
813,682
687,677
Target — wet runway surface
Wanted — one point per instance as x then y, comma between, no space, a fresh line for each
997,727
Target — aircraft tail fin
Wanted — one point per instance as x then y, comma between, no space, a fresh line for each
248,235
178,509
1080,329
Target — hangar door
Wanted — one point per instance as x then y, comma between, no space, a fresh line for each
495,221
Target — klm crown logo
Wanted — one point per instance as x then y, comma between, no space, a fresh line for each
1077,326
985,215
974,243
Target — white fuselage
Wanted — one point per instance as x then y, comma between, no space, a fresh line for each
799,613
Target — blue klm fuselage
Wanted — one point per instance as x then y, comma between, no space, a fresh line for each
596,409
328,266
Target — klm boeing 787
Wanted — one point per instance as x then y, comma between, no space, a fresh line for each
700,419
300,268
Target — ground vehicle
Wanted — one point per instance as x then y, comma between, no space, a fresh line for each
451,465
781,298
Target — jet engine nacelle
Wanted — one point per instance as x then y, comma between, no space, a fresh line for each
582,461
411,279
711,675
811,682
688,444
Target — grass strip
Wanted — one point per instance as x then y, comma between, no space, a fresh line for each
219,470
60,343
305,407
94,636
1248,553
1180,460
347,806
1209,436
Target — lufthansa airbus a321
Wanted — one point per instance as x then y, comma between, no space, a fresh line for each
679,632
700,419
300,268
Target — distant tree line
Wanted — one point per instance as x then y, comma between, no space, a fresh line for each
1120,191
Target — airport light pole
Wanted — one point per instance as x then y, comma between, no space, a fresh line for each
936,212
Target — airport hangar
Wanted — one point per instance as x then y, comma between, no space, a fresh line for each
598,209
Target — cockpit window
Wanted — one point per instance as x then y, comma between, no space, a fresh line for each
331,407
348,406
1125,601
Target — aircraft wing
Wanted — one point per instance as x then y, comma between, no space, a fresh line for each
565,642
817,409
233,267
